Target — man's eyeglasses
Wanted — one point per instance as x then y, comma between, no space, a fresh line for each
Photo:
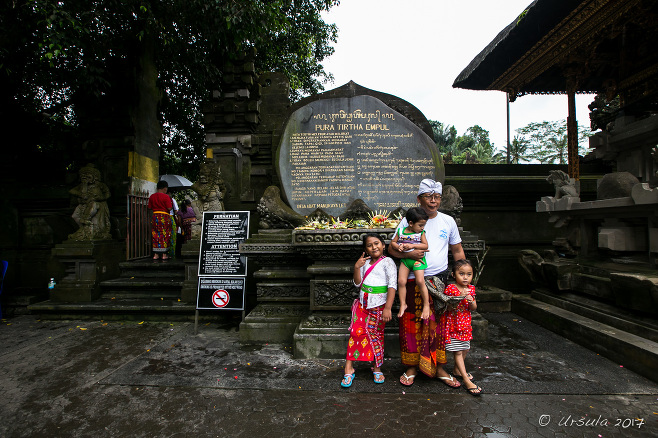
435,196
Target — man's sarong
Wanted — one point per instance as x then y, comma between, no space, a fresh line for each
366,334
161,231
421,342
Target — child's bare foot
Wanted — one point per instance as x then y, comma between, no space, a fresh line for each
403,307
456,373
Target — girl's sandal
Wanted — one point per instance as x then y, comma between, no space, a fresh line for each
474,391
347,380
378,377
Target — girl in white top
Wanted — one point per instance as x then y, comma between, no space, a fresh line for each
376,277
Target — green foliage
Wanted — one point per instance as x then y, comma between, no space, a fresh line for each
472,147
518,150
58,59
444,136
546,142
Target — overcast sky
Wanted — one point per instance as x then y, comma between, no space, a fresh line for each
415,49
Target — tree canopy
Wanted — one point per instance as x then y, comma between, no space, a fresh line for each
472,147
547,141
60,58
542,142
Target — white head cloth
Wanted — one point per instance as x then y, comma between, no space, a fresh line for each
429,186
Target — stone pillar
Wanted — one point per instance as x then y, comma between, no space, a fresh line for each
282,288
325,331
86,264
190,254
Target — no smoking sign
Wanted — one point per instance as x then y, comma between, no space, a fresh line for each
220,298
221,293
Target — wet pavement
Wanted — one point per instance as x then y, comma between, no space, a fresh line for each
131,379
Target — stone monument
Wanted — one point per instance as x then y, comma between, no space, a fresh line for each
334,151
348,159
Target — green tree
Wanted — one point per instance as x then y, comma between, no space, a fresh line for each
547,141
474,147
61,60
519,150
444,136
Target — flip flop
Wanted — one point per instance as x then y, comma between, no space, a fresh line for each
347,380
450,379
378,375
408,379
474,391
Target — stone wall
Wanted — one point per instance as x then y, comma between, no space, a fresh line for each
499,206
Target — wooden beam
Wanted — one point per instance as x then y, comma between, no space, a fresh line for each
572,137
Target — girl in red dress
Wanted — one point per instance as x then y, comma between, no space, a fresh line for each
458,330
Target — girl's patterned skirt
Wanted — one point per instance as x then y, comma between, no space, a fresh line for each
366,334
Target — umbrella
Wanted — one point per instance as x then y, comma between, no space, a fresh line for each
176,181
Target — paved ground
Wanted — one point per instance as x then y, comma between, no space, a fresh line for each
108,379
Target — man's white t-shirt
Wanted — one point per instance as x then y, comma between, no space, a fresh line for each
440,231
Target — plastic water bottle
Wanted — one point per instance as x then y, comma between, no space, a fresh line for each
51,284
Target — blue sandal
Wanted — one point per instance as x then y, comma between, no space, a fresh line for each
376,375
347,380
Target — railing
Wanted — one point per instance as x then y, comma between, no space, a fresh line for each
138,239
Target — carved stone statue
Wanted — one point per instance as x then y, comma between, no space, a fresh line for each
210,189
91,214
451,203
564,187
274,213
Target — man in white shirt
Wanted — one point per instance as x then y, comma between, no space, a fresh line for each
420,343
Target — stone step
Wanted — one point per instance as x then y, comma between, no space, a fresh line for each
148,268
142,288
631,351
611,315
325,335
493,299
135,309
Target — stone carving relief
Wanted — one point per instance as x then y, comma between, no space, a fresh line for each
283,291
210,189
91,213
274,213
333,293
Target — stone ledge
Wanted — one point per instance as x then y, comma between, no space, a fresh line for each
636,353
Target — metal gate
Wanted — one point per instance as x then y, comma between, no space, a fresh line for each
138,239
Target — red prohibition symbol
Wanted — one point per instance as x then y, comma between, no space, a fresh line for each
220,298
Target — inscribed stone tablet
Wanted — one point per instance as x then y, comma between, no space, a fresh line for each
334,151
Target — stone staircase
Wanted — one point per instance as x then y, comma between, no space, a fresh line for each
145,290
626,337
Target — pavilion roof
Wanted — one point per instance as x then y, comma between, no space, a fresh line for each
557,45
